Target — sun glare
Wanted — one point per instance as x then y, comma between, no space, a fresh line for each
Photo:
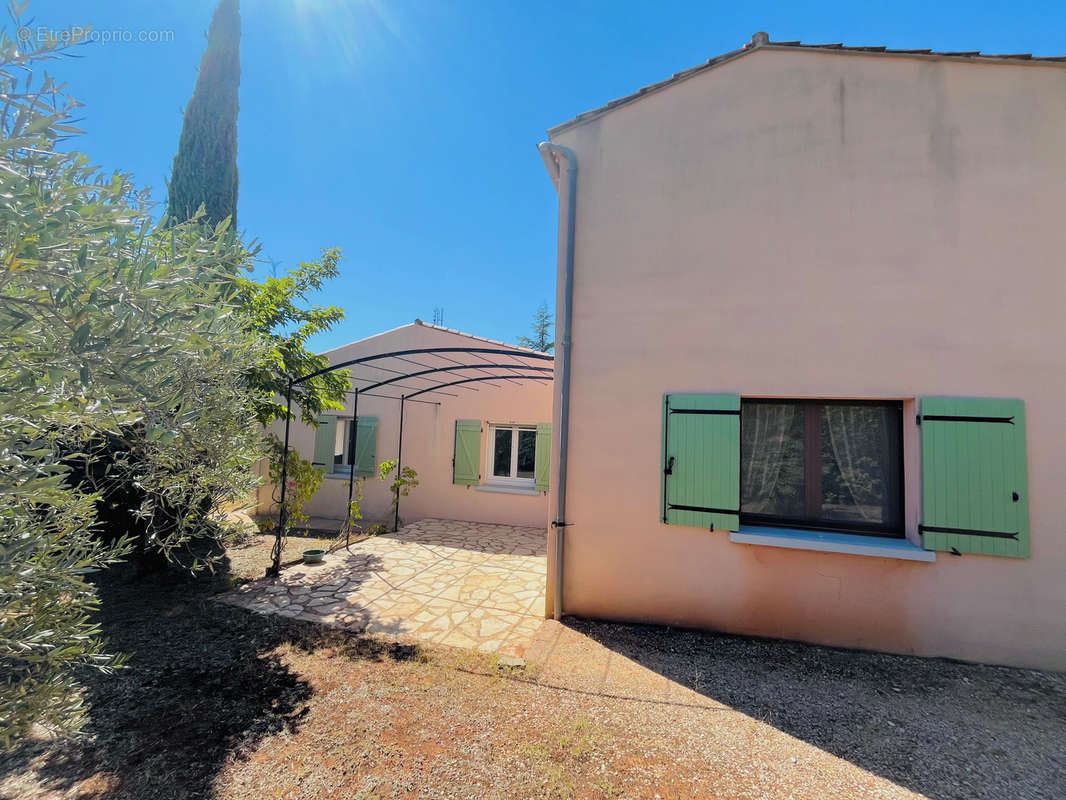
346,33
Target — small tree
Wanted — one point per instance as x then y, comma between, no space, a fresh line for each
402,483
205,167
542,331
276,310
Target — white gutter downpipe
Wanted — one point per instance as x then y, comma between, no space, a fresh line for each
553,154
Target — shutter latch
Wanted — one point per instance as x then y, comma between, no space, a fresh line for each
669,467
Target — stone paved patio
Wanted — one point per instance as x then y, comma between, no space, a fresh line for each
464,584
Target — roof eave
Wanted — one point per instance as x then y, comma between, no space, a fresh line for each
969,57
677,77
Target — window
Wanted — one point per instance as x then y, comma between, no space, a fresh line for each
515,457
333,440
512,455
834,465
342,457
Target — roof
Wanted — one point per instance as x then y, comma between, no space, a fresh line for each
762,41
436,366
508,345
476,338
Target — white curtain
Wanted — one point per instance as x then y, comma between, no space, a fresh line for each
767,442
858,439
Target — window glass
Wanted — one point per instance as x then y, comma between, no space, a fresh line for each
772,465
527,449
837,464
501,460
858,464
339,442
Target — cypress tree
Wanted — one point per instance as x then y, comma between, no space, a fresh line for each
205,167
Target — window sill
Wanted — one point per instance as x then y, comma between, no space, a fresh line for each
826,542
501,489
343,476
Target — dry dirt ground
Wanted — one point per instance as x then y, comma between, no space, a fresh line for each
218,702
250,560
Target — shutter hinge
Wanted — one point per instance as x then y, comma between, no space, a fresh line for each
557,524
967,532
960,418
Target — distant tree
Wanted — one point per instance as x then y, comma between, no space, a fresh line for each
205,167
542,325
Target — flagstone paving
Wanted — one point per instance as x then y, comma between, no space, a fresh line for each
465,584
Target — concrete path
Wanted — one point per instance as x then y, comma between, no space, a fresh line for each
464,584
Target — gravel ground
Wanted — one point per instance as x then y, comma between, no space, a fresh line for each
941,728
221,703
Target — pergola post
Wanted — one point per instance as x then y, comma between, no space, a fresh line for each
283,515
399,467
353,441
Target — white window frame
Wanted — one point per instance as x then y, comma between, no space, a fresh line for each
490,456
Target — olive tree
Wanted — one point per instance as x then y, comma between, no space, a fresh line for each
115,329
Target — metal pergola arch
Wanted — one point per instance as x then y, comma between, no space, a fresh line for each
520,370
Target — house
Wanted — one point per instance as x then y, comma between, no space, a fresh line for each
811,311
478,436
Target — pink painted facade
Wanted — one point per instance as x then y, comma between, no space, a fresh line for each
429,437
818,224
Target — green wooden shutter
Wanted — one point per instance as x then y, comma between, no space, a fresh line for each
975,490
701,461
325,441
465,463
366,441
543,456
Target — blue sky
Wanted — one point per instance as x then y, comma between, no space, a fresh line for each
405,131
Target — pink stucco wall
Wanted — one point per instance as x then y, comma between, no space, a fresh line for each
428,435
804,224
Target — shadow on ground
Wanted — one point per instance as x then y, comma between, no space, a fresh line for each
942,728
202,685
